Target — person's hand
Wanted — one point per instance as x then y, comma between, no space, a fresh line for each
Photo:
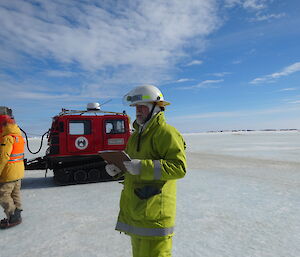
133,166
112,169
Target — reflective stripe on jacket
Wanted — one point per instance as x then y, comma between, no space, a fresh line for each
148,200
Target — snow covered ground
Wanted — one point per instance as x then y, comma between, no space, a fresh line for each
240,198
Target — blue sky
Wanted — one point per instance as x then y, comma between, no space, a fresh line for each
232,64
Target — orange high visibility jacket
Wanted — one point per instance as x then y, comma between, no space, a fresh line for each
17,153
11,154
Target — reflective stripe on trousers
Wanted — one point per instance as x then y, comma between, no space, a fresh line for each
144,231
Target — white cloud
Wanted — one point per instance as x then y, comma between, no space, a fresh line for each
221,74
194,62
288,89
241,113
100,35
58,73
44,96
295,102
247,4
183,80
28,90
254,4
260,8
272,77
203,84
232,3
266,17
237,62
287,70
211,115
113,45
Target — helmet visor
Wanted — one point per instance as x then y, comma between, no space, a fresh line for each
132,99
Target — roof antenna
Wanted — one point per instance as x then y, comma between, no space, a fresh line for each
106,102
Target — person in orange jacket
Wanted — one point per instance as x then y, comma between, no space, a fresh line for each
11,170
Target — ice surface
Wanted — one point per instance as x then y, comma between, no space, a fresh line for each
277,145
240,198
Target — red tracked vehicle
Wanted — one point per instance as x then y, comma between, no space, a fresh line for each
74,140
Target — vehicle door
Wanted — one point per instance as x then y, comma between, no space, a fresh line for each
79,134
115,136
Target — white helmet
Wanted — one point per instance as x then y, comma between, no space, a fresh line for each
145,94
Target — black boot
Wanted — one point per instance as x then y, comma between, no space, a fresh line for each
14,219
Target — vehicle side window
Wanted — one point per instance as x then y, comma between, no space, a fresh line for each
61,127
114,126
80,127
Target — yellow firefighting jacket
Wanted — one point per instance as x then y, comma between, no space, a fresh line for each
11,154
148,200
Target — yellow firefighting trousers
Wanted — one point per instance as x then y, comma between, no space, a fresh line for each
151,248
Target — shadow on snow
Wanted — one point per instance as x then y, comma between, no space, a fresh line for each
35,183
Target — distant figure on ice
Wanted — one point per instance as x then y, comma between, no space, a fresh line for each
11,168
148,200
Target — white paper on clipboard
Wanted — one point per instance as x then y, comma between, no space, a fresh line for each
115,157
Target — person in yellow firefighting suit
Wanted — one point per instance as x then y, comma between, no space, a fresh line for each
11,171
148,199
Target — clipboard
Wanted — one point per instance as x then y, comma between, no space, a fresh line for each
115,157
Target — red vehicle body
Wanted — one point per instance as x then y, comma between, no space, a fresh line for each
74,140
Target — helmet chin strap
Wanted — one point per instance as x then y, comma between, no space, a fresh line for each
149,116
